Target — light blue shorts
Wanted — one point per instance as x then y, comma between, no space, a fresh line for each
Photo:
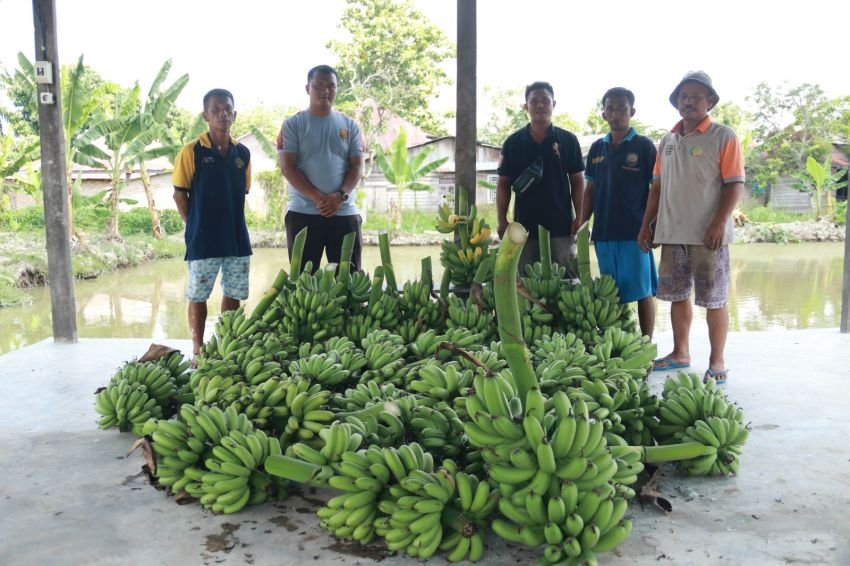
632,268
234,277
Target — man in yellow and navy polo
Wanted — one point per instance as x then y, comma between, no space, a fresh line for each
211,177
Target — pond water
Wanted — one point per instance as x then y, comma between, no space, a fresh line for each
773,286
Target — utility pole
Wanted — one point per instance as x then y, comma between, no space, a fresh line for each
63,305
466,134
845,289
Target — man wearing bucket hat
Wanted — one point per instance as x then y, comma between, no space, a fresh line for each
697,181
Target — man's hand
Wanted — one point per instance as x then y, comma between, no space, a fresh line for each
503,225
575,226
713,238
328,205
645,239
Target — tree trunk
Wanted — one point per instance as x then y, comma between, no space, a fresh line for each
112,232
146,183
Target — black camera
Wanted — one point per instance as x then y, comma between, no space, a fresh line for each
529,177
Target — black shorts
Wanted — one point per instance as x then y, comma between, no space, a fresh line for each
324,235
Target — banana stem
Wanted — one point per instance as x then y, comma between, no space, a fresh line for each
291,469
545,251
270,295
673,452
297,254
507,309
426,275
377,285
386,261
583,254
445,282
345,258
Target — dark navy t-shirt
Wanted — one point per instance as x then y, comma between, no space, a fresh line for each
548,202
216,186
621,180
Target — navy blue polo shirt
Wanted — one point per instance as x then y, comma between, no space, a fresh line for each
621,180
549,201
216,186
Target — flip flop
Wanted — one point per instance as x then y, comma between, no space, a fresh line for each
667,363
719,376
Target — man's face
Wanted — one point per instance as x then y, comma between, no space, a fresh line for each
694,101
322,90
219,113
539,106
618,112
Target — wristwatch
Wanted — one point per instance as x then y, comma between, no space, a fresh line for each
345,196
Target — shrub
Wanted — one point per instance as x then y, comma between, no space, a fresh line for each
839,213
135,221
27,219
171,221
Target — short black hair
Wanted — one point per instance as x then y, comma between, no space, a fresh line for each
539,85
619,91
321,70
218,93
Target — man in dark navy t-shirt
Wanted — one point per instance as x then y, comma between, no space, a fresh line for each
211,177
553,201
619,174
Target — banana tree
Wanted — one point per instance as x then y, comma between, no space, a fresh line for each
12,161
823,182
403,171
78,105
272,182
152,118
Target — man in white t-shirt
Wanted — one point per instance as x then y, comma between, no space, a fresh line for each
321,156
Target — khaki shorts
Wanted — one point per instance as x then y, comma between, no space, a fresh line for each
685,266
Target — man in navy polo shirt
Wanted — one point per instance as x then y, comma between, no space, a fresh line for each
552,200
211,177
619,175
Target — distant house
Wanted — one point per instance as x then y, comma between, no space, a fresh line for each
784,195
380,193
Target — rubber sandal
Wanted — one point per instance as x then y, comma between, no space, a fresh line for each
719,376
667,364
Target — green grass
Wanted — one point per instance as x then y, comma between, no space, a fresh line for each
770,215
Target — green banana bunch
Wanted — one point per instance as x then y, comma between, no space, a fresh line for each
339,438
691,411
541,287
125,405
359,326
438,429
324,369
177,366
313,310
441,383
426,345
415,518
365,395
447,220
385,362
359,288
467,314
306,412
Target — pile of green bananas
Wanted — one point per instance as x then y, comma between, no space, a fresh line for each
467,314
137,392
312,311
543,286
589,310
691,411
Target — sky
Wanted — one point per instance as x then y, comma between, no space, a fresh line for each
262,49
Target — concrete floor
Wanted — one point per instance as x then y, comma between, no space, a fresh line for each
70,496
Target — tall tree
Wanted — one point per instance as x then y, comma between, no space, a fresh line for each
390,64
403,171
153,117
790,124
507,115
